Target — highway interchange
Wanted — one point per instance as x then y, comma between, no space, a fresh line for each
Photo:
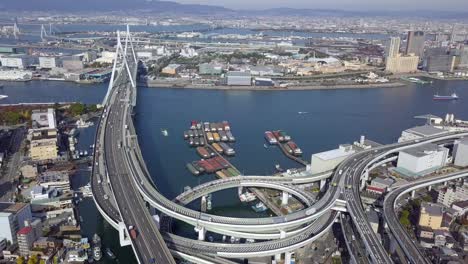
131,186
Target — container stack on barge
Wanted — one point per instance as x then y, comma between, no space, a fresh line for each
195,136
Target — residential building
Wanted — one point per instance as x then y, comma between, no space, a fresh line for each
46,242
415,43
239,78
328,160
55,180
460,152
420,132
430,215
460,207
393,47
12,218
49,62
43,118
26,238
450,194
402,64
421,160
440,63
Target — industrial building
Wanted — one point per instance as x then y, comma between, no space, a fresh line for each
210,69
49,62
420,132
460,152
238,78
72,64
328,160
421,160
17,61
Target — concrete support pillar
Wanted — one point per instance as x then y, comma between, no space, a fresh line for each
240,190
413,193
445,183
323,182
287,258
284,200
429,188
201,233
278,258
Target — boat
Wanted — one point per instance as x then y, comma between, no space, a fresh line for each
202,141
226,125
230,136
247,197
227,149
223,136
190,133
191,141
213,127
195,133
186,135
270,138
198,167
219,126
209,137
209,205
97,254
285,136
453,96
295,149
196,141
278,168
218,148
278,136
216,137
203,152
259,207
3,96
206,126
82,124
109,253
192,169
212,153
193,125
164,132
415,80
265,145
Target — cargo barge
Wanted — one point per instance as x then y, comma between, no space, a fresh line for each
227,149
270,138
203,152
192,169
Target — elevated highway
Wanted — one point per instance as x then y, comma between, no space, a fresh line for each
408,244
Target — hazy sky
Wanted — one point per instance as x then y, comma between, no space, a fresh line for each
445,5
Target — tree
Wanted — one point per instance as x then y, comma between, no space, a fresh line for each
92,108
77,109
32,259
404,218
20,260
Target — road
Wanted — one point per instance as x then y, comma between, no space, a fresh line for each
409,245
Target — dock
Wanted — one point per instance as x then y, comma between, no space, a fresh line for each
260,195
296,159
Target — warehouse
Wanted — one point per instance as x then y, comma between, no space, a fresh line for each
460,152
421,160
237,78
328,160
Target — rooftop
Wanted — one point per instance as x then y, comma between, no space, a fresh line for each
431,209
239,73
426,131
25,230
333,154
423,150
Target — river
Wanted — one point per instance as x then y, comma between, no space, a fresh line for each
331,117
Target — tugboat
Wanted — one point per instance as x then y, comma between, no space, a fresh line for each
97,254
278,168
164,132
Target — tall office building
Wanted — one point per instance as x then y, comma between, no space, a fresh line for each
393,47
415,43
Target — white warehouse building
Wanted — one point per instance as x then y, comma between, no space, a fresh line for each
328,160
48,62
460,152
420,132
422,160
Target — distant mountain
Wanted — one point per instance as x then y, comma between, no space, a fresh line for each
108,5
